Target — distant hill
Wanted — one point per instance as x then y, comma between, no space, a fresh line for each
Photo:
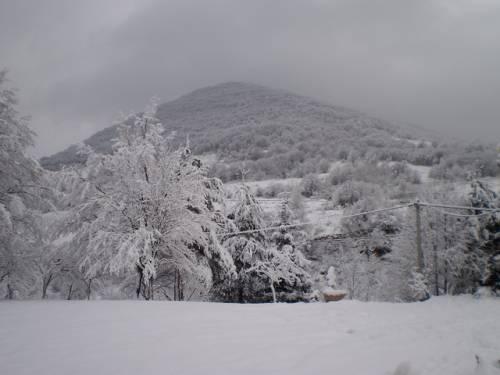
276,133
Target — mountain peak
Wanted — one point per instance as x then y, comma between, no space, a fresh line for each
231,92
231,87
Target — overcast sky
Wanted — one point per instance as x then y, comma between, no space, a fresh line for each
78,64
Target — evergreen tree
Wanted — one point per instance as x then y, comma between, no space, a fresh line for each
248,250
268,269
295,284
483,237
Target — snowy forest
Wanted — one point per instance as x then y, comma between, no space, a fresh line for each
152,220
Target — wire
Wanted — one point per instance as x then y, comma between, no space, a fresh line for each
379,210
460,215
347,236
458,207
432,205
258,200
278,227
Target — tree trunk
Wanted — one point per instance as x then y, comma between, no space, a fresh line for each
181,288
89,283
10,292
178,287
191,295
175,285
46,282
353,284
240,293
445,283
274,291
436,271
70,291
139,286
148,289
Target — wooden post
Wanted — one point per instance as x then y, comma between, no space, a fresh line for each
445,282
420,254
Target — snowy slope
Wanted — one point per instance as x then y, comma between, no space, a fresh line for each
440,336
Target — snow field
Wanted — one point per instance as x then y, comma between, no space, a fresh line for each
440,336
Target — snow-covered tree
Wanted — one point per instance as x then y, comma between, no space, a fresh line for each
443,243
387,222
418,286
248,250
64,235
441,246
351,267
153,212
287,280
295,282
456,248
482,242
22,198
492,274
267,270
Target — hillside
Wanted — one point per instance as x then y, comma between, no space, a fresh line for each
277,133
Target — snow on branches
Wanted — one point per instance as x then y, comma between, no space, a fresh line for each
155,209
21,199
263,265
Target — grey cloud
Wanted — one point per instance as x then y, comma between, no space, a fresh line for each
78,64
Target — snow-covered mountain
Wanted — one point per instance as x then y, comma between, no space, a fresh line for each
242,121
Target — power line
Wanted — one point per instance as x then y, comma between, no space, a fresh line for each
349,235
279,227
378,210
461,215
431,205
459,207
260,200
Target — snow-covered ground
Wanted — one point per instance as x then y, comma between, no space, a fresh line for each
440,336
415,142
291,182
423,171
493,183
328,221
233,187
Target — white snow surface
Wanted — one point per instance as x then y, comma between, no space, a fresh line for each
440,336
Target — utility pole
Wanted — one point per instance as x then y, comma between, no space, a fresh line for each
445,286
420,254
